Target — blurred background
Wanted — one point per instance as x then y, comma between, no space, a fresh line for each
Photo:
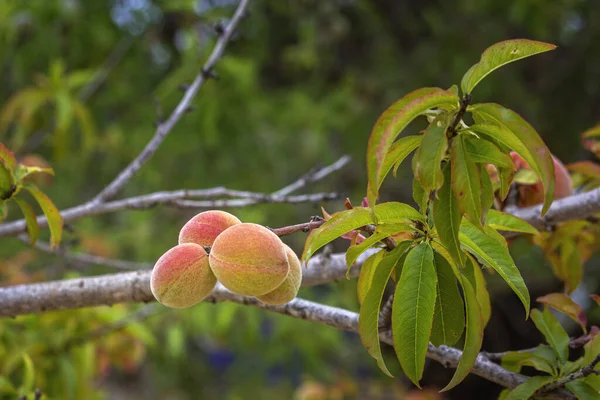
301,85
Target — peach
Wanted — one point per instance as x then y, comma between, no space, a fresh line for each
288,290
249,259
530,195
182,276
204,228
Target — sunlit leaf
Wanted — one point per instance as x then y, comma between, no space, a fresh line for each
526,389
543,360
55,221
355,218
526,177
413,309
473,335
381,232
529,144
493,254
507,222
366,275
466,182
447,218
392,122
563,303
554,333
449,316
368,320
485,152
500,54
430,154
30,218
24,171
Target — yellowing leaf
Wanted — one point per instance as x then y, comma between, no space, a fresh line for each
507,222
30,218
55,221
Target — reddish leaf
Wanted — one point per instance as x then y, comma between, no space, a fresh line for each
563,303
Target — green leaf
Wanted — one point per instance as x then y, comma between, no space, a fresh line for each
526,389
6,387
28,375
413,309
563,303
398,152
487,193
55,221
554,333
420,196
506,178
23,171
473,272
447,218
6,181
526,177
3,210
507,222
381,232
500,54
392,122
430,154
30,218
532,148
515,360
583,390
355,218
485,152
493,254
466,182
449,316
368,320
7,158
473,335
365,278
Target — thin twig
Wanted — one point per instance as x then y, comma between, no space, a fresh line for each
582,373
313,176
165,128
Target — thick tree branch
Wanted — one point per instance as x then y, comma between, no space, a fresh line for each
164,128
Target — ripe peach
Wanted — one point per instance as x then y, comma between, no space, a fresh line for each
288,290
204,228
182,276
249,259
530,195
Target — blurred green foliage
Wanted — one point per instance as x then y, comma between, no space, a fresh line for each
301,85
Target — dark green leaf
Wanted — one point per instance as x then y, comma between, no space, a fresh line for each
430,154
392,122
413,309
487,193
473,335
507,222
554,333
500,54
466,182
447,218
485,152
381,232
55,221
30,218
473,272
526,389
493,254
368,320
420,196
449,316
532,148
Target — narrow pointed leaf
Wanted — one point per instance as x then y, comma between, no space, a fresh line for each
430,154
583,390
554,333
466,182
420,196
55,221
487,193
365,278
349,220
475,275
368,320
393,121
398,152
449,316
381,232
24,171
447,218
526,389
532,149
485,152
6,181
473,335
563,303
500,54
493,254
507,222
30,218
413,308
506,176
515,360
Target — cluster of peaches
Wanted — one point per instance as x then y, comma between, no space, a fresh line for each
246,258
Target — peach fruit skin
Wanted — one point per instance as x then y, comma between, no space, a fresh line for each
204,228
249,259
182,276
288,290
530,195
